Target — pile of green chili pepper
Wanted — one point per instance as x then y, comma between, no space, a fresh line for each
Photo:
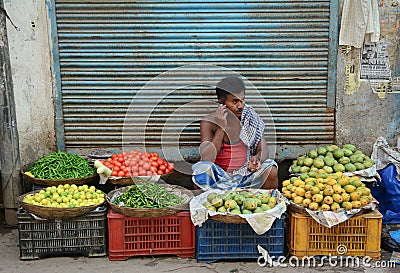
61,165
148,195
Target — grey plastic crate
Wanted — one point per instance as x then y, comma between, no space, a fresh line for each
79,236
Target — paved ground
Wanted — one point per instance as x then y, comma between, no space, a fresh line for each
10,263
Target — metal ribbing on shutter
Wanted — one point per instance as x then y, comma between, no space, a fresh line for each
108,50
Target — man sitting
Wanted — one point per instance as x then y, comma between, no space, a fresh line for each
233,149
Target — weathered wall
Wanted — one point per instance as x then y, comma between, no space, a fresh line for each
30,62
361,117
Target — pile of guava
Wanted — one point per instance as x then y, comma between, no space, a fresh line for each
332,158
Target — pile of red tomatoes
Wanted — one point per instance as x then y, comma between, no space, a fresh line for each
137,163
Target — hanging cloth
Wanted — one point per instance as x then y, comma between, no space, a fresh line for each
360,23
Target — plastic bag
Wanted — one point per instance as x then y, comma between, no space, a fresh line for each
392,187
383,154
387,192
388,242
387,189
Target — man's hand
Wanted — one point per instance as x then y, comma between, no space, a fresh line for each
221,117
254,164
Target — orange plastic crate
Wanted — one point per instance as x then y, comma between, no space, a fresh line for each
361,235
137,236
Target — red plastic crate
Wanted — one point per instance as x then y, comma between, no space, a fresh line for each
138,236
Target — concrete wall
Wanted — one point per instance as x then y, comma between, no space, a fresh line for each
31,72
361,117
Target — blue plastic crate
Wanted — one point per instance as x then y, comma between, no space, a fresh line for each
224,241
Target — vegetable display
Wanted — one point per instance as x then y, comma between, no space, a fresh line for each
148,195
137,163
60,165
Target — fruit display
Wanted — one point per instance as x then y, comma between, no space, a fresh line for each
66,196
327,191
332,158
135,163
240,201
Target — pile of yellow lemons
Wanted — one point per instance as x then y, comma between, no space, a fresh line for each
66,196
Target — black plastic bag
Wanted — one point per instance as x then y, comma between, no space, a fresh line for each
387,242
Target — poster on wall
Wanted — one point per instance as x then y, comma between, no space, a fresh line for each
375,67
375,62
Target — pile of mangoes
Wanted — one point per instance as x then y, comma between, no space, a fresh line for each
240,202
332,159
327,191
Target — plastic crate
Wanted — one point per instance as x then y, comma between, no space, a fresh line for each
84,235
358,236
138,236
225,241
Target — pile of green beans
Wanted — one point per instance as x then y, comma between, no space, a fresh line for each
148,195
61,165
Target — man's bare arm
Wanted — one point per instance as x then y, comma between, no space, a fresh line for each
262,150
260,156
212,131
211,140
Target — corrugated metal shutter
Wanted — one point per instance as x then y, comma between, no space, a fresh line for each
108,50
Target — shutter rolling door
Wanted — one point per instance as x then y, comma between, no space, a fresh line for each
108,50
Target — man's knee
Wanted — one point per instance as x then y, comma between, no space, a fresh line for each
271,178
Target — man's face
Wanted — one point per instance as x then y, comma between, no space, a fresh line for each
370,54
235,103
